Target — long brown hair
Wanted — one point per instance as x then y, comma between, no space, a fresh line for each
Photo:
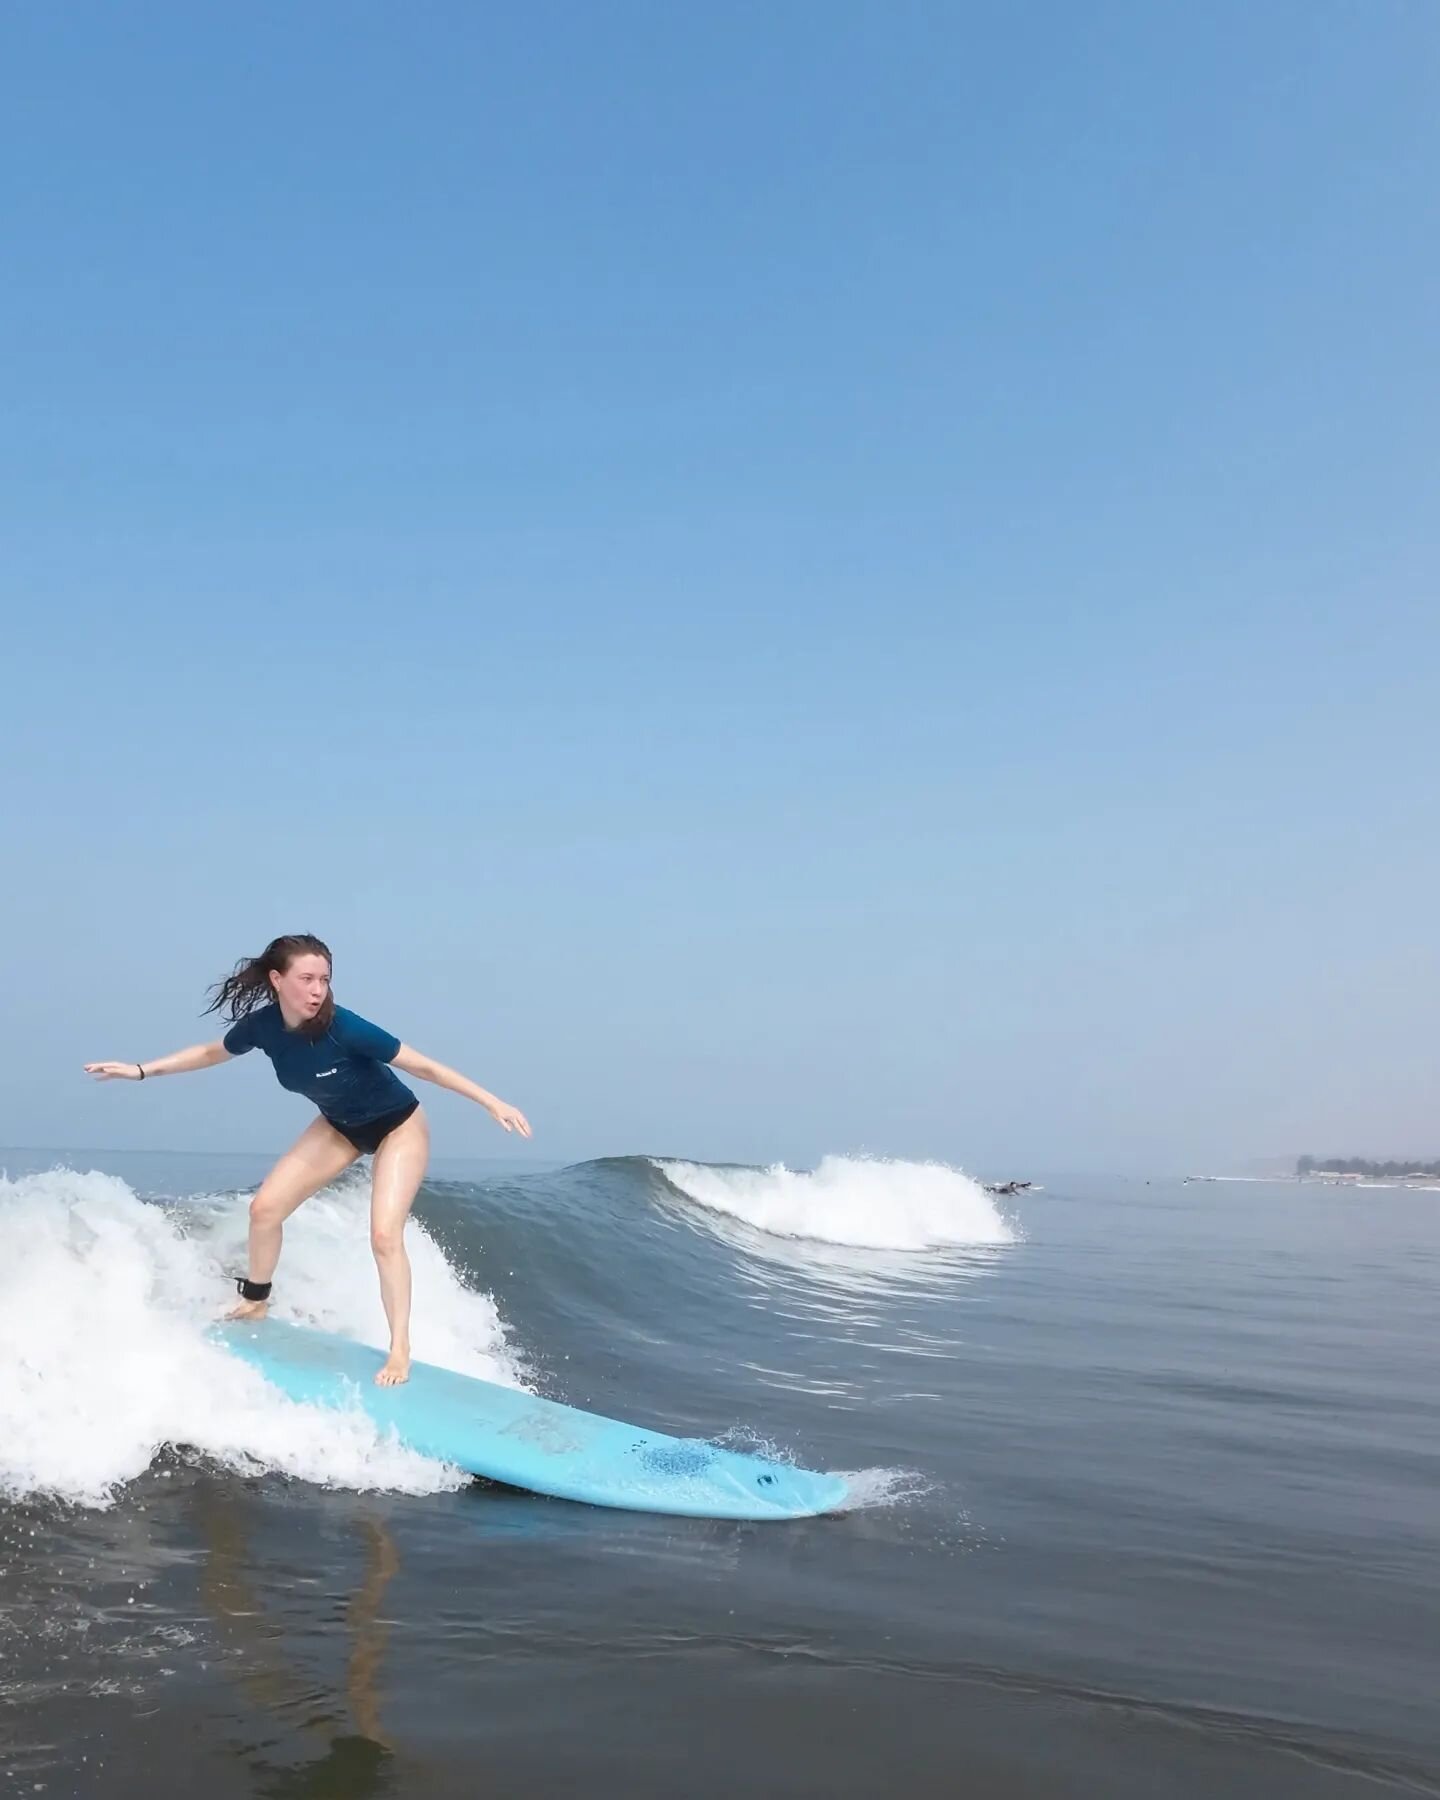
249,985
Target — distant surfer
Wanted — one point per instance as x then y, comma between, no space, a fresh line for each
280,1002
1007,1187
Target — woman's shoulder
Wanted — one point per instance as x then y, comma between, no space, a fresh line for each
348,1018
254,1029
363,1036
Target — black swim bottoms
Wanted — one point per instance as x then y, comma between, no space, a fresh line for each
368,1138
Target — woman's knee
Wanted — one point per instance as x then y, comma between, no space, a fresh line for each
387,1241
266,1210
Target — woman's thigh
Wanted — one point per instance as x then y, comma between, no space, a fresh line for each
315,1159
399,1168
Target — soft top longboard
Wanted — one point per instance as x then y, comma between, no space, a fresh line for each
507,1435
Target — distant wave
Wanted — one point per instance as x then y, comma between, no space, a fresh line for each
869,1202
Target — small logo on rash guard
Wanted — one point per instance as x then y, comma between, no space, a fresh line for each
322,1073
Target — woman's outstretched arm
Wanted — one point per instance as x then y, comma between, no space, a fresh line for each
425,1068
179,1062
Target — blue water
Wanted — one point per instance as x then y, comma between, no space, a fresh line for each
1153,1469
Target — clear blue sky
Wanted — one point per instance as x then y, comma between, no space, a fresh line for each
775,579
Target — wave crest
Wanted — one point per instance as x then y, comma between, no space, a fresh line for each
868,1202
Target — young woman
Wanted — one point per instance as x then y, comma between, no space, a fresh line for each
280,1002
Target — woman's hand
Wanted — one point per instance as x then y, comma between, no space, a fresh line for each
510,1117
114,1071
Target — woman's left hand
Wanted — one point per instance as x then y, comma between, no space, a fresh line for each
510,1117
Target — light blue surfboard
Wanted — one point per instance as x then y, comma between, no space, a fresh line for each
526,1442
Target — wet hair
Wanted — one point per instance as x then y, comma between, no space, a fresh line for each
249,985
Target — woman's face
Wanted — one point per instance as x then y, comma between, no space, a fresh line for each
302,989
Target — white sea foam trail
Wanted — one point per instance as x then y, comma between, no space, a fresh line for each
104,1304
871,1202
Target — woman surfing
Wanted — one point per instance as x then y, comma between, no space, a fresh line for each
280,1002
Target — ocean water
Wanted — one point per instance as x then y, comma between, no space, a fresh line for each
1149,1477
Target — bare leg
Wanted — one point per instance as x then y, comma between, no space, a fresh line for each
399,1169
317,1156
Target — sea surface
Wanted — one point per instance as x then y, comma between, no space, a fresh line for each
1150,1479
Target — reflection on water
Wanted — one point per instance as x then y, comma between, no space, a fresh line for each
356,1763
351,1767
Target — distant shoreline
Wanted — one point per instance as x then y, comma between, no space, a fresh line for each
1369,1168
1420,1182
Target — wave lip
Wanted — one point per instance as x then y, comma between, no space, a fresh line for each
874,1203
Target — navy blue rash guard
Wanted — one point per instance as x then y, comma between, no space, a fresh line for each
346,1072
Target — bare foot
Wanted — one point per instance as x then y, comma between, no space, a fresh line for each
396,1370
249,1309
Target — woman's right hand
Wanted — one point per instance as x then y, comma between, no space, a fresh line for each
114,1071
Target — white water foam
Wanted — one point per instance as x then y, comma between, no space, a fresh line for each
870,1202
872,1488
104,1304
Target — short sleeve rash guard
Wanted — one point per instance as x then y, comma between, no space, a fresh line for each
346,1072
